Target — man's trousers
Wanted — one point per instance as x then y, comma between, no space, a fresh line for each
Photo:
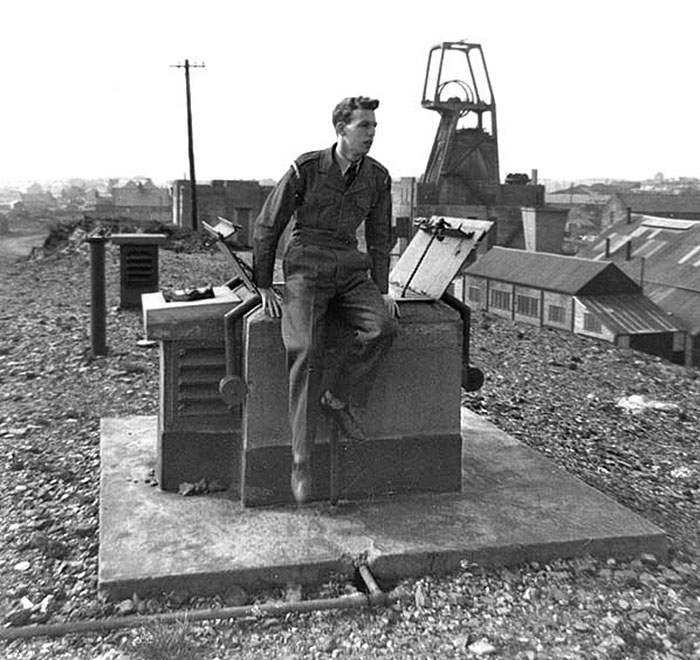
319,281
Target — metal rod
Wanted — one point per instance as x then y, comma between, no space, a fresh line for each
369,580
115,623
98,322
334,464
439,225
375,597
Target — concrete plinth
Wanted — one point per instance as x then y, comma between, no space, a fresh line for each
412,417
514,506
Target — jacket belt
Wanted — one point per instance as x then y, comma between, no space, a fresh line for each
320,238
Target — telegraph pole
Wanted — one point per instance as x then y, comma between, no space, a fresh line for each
190,143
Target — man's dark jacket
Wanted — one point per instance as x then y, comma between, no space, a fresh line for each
327,213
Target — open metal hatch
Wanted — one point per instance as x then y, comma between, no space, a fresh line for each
436,253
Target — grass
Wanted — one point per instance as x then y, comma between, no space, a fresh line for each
165,641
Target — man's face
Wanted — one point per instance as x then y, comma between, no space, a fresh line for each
355,138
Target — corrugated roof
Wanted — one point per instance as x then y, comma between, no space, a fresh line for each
541,270
683,304
680,266
648,202
668,223
664,243
630,314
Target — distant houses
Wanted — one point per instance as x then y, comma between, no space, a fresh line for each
139,200
35,198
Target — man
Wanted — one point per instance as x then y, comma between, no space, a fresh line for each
329,193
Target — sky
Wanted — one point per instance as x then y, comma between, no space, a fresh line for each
595,89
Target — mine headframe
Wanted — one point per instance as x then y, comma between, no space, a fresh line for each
463,164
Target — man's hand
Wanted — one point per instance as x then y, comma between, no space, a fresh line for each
271,302
391,305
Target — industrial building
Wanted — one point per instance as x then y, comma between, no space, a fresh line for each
666,205
237,201
590,298
663,255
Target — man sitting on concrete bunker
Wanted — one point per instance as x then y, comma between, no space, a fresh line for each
330,193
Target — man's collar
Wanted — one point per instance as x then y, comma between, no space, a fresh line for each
343,162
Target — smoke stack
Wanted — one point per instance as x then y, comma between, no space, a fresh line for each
543,228
533,177
607,248
628,248
629,215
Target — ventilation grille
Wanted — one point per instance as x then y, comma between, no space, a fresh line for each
140,266
199,371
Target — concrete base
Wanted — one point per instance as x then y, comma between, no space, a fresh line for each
514,506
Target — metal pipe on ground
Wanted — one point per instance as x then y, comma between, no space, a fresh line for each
375,596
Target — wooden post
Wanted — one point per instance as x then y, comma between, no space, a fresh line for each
190,140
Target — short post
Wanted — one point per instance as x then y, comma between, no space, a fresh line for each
98,309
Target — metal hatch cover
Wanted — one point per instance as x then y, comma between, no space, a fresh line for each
436,253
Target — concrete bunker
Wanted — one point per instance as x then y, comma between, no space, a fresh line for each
223,402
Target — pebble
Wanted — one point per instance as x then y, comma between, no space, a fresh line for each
647,579
626,575
610,621
22,566
84,529
421,597
293,594
670,575
327,643
235,596
126,607
482,647
649,559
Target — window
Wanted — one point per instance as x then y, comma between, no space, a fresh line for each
500,299
556,314
591,323
475,294
527,306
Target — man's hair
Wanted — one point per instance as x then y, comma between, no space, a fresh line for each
343,111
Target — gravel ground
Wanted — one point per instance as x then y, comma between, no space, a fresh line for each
624,422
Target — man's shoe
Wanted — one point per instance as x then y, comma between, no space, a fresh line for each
341,414
301,482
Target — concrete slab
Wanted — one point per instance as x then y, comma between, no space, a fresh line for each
515,506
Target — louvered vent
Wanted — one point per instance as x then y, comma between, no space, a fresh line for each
141,266
199,371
